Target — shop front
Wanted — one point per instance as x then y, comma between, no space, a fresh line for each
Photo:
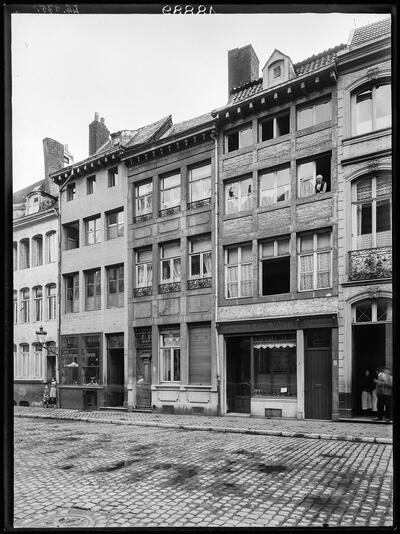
281,367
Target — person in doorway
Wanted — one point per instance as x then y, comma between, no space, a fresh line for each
320,184
53,392
367,386
374,396
384,383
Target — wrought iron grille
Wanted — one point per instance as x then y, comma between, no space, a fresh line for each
169,288
170,211
143,218
199,283
199,203
143,337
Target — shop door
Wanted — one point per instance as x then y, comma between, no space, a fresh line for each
318,374
143,396
115,377
238,375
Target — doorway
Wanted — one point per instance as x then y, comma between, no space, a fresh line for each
238,375
318,374
143,386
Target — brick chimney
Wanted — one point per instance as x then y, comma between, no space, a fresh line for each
98,134
243,66
56,156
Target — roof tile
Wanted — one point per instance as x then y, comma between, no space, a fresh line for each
378,29
20,196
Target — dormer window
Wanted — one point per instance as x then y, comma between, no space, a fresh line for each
277,71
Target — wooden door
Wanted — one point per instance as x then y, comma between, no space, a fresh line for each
318,374
143,385
238,375
115,377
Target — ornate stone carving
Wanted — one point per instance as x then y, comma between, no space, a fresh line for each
143,218
169,211
370,264
199,283
199,203
143,291
169,288
373,73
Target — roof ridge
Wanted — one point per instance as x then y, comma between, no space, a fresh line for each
331,50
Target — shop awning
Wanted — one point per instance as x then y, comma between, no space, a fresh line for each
278,345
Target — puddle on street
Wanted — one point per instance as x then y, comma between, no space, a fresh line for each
267,469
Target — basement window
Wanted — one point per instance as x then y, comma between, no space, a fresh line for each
238,138
274,127
275,266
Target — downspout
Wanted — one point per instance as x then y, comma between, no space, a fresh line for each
214,134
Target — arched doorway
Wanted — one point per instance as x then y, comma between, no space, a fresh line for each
372,341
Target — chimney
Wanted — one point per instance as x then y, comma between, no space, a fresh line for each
55,158
98,134
243,66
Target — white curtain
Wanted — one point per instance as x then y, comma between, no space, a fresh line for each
306,272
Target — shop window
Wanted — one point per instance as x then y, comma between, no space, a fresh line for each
275,266
170,262
51,296
24,254
115,224
314,176
238,272
51,247
238,195
200,183
275,365
315,261
372,212
38,303
170,354
71,235
70,192
91,185
312,114
71,293
80,361
200,257
93,230
37,250
274,185
144,268
372,108
144,198
368,311
170,191
70,368
25,301
113,177
273,127
91,360
93,290
115,286
238,138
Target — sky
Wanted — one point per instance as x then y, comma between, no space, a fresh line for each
134,69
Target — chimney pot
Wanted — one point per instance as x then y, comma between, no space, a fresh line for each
96,116
98,134
102,120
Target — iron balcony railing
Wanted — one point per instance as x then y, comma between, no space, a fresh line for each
370,264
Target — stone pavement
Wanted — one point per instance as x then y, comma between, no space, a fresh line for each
72,474
370,432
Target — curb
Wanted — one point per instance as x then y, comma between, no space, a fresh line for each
220,429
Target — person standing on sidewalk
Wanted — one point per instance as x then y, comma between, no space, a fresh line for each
367,386
384,383
53,392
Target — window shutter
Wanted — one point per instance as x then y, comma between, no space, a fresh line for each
200,354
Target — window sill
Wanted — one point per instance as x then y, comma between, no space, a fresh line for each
274,141
313,198
366,136
315,128
144,218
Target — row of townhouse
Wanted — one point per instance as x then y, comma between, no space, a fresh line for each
203,266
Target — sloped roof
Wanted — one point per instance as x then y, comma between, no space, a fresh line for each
381,28
181,127
20,196
311,64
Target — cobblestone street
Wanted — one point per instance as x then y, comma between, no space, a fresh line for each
73,473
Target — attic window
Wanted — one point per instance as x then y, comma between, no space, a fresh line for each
277,71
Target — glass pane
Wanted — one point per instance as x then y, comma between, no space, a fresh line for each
165,271
232,256
364,112
144,189
207,264
176,269
383,215
200,244
195,265
323,269
245,137
306,177
170,181
383,107
383,185
267,249
198,173
283,247
306,243
167,364
324,240
177,373
171,250
381,311
364,219
364,189
304,118
267,189
363,312
306,272
322,112
246,254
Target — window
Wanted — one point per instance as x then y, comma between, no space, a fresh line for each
80,361
313,114
33,204
144,268
70,192
274,186
170,355
200,257
170,263
36,367
238,195
275,365
115,284
25,299
367,311
115,224
275,266
93,290
15,255
200,183
239,272
71,293
15,360
170,191
274,127
372,212
91,185
238,138
315,261
90,357
144,195
37,250
24,368
93,230
71,235
307,173
113,177
37,303
372,109
24,254
51,291
70,361
15,306
51,247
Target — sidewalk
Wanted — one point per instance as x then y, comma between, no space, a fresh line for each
344,431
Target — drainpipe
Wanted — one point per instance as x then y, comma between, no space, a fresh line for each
214,135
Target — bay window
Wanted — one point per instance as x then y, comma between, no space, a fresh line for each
238,195
238,272
170,355
315,260
274,185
